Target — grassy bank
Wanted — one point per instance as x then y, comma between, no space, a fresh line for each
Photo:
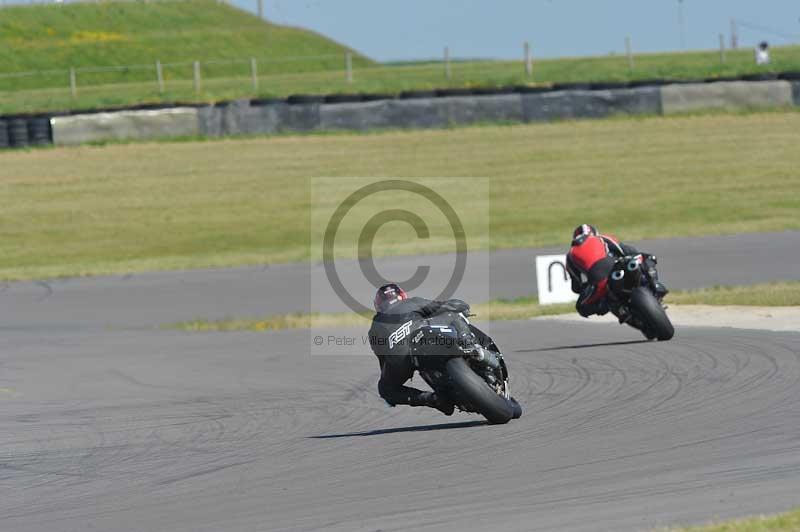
766,294
119,43
142,207
104,34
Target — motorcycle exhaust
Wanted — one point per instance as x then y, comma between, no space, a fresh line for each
487,357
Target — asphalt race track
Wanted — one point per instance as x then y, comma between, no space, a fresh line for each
140,429
149,299
109,423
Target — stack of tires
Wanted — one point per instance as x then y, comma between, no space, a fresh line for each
19,132
39,131
13,133
4,141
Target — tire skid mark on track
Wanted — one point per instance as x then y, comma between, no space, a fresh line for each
621,436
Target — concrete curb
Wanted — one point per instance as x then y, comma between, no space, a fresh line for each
732,94
125,125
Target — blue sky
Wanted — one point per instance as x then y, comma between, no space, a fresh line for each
417,29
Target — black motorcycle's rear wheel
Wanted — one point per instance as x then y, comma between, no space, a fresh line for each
475,391
656,323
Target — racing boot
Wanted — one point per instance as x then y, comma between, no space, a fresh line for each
444,406
588,309
432,400
624,314
659,287
661,290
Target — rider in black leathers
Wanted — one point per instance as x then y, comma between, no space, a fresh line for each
394,309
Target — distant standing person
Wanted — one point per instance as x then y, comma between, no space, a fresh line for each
762,53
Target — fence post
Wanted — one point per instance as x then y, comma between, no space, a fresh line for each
448,73
629,52
348,66
722,48
197,77
528,60
160,77
254,72
73,83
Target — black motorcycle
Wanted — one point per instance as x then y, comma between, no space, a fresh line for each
634,298
472,376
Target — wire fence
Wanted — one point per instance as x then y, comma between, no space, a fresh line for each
341,69
163,74
231,78
344,69
215,79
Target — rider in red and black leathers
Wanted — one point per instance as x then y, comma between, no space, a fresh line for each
589,263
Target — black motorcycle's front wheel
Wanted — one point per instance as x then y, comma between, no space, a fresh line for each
656,323
475,391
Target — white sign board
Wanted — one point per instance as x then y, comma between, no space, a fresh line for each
553,280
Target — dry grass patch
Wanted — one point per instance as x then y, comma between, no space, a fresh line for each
157,206
787,522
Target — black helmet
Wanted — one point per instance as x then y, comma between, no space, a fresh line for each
388,295
581,232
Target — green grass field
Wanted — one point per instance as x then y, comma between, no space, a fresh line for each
53,38
139,207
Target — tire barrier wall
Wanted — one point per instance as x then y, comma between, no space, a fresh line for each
361,113
125,125
241,118
422,112
591,104
4,140
18,132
